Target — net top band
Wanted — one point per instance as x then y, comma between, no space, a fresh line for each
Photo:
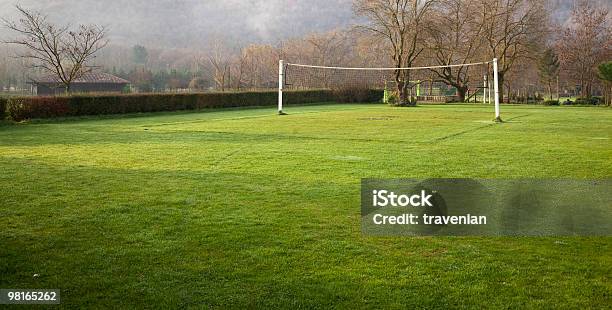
390,69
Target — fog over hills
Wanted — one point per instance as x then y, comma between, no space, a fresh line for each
180,23
185,23
562,8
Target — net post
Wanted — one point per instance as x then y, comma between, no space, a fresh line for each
496,86
489,100
484,90
281,82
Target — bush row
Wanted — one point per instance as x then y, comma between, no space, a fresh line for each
3,102
578,101
357,94
551,102
588,101
22,108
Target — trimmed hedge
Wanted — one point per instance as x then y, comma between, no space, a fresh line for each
551,102
3,102
587,101
357,94
22,108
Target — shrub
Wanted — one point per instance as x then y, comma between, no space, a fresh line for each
392,99
301,97
452,99
19,109
3,102
412,101
22,108
551,102
357,94
587,101
538,97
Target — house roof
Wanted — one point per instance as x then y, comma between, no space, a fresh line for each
87,78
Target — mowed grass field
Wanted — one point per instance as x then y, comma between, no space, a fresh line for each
245,209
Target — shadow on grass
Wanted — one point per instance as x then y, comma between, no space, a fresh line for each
188,238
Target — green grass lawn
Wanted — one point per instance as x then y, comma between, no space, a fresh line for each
245,208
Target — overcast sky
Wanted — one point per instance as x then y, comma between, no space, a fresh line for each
184,23
180,23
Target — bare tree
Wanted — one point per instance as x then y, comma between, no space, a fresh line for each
298,50
585,44
456,38
367,50
523,81
512,30
402,24
220,58
328,49
548,69
237,70
4,72
257,66
59,51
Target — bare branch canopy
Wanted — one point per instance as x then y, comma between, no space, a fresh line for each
64,53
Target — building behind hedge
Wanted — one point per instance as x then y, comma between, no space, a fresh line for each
92,82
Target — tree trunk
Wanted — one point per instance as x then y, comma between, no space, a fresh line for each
588,90
550,90
400,91
558,91
402,80
400,86
501,95
461,91
431,86
404,98
500,78
410,102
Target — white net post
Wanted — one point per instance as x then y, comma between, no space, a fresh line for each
496,86
281,81
484,90
490,94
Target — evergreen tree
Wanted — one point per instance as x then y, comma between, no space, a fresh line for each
140,55
605,73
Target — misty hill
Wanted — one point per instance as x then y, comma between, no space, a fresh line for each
562,8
